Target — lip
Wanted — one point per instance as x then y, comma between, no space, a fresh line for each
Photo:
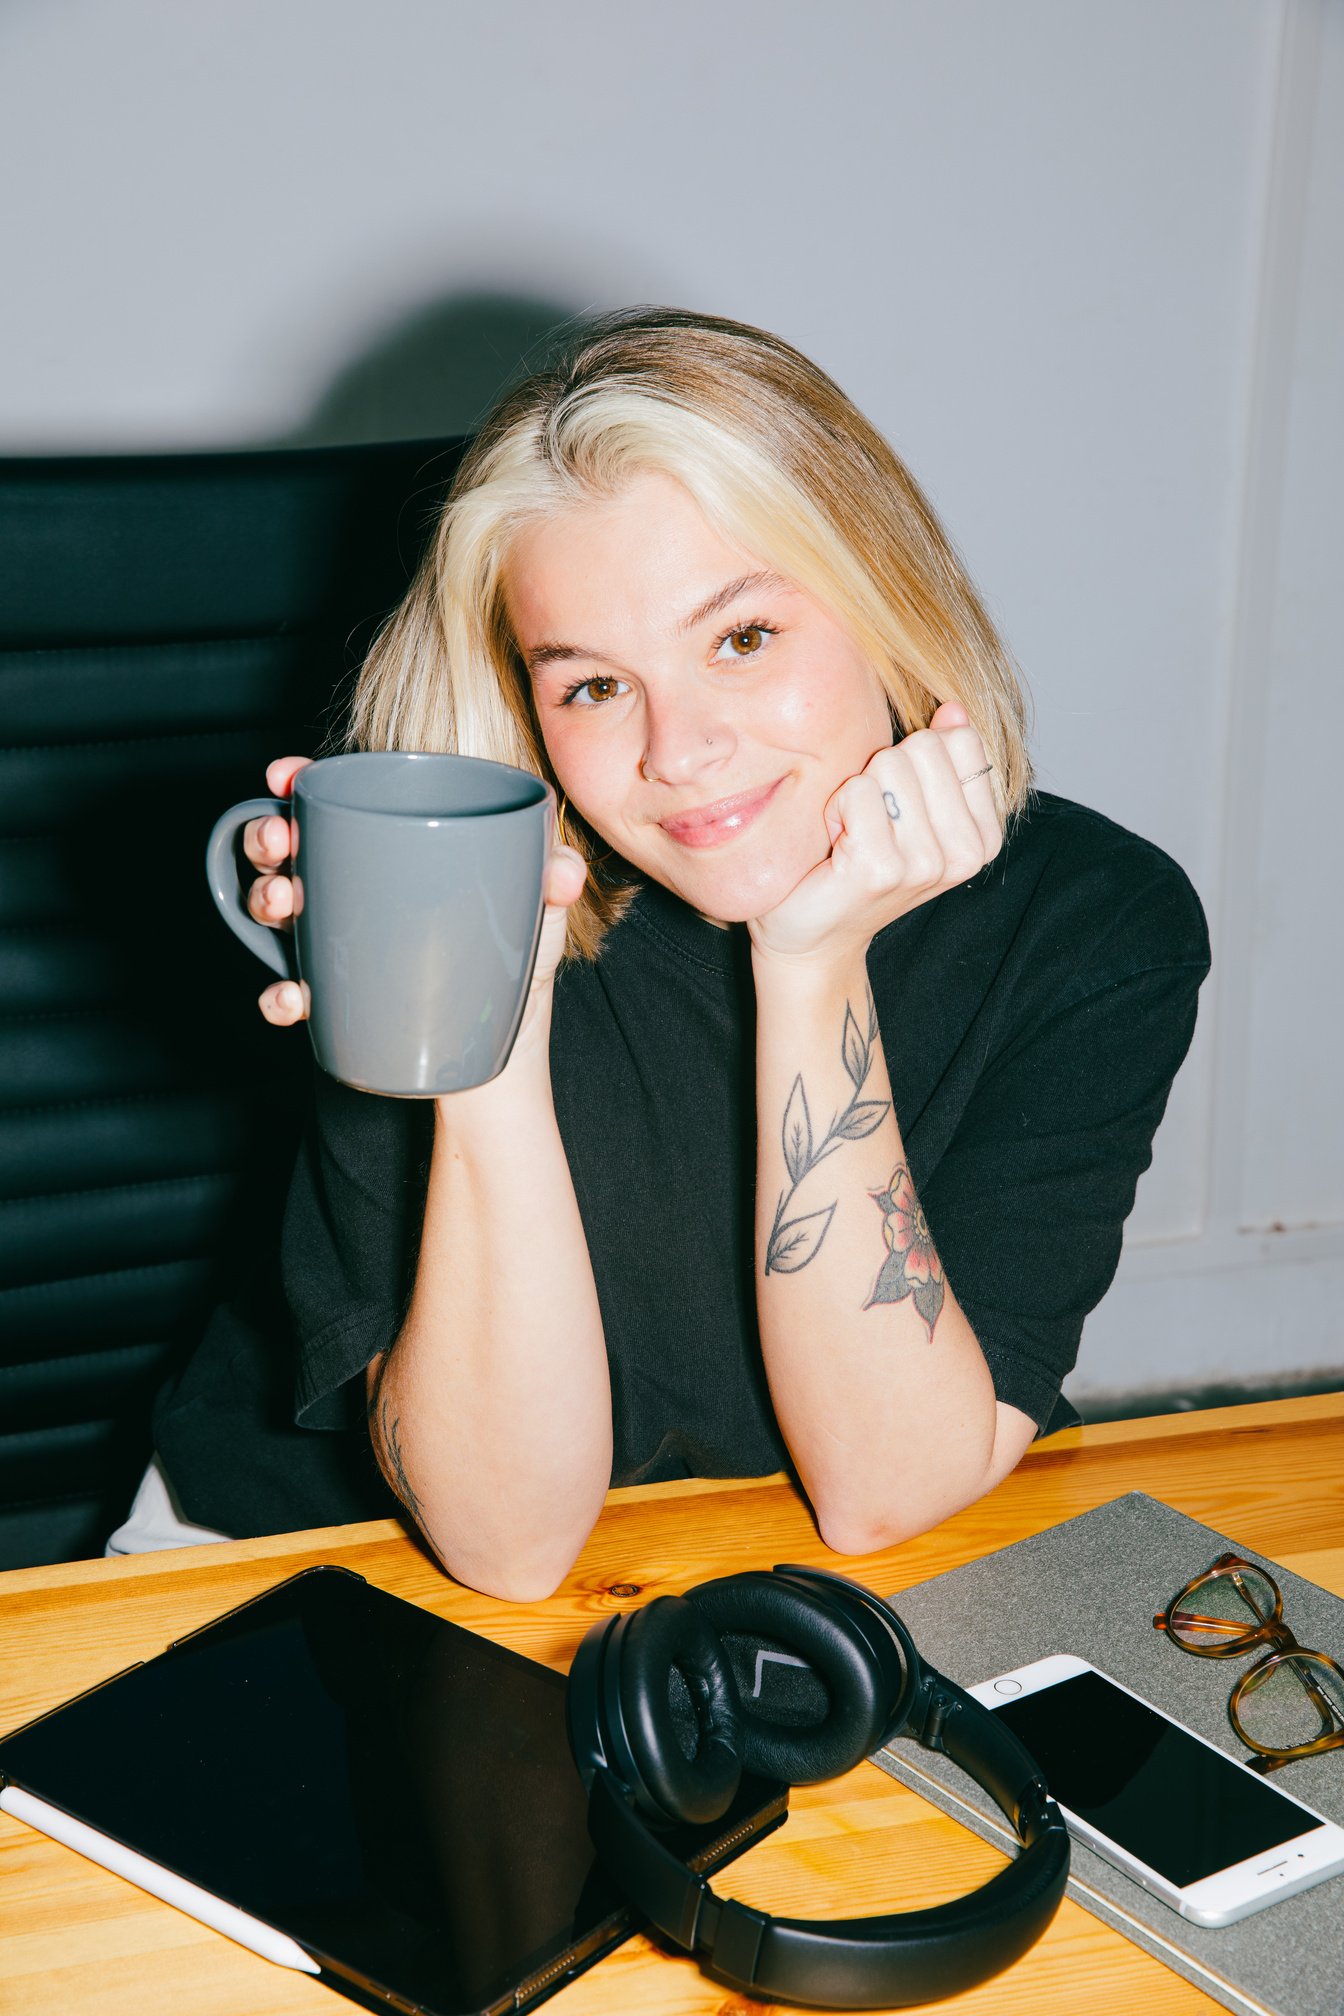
710,825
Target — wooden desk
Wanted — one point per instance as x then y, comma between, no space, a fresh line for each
75,1938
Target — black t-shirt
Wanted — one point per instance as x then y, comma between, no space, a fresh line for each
1032,1022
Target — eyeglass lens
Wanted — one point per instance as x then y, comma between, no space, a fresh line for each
1291,1701
1240,1609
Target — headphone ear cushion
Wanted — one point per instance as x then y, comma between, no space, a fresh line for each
880,1628
680,1715
814,1698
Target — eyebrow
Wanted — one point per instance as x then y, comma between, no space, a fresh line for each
746,583
553,653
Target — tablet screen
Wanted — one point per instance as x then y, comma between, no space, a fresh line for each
393,1792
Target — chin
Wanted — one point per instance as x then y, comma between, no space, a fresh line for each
734,893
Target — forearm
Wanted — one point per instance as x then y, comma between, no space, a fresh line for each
879,1386
491,1415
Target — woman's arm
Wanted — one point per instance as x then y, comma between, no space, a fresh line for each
491,1414
878,1383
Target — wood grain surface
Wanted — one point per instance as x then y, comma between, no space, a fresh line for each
74,1938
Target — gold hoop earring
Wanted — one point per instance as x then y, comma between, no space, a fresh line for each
567,839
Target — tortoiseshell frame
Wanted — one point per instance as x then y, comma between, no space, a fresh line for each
1285,1649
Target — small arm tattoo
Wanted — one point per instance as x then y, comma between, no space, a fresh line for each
912,1266
793,1242
387,1433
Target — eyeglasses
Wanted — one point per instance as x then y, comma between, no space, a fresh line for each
1290,1703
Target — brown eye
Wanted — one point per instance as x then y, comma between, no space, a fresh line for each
593,692
743,642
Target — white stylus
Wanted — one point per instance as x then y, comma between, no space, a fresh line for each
175,1890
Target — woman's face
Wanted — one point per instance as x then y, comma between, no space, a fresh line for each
698,709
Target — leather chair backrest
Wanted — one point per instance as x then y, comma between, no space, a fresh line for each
167,624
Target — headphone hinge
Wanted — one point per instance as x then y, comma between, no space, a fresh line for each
703,1926
940,1706
731,1937
1033,1810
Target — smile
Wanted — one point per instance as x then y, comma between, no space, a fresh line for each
710,825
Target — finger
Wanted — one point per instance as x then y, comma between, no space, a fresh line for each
266,842
905,809
887,826
566,873
978,791
962,743
285,1003
974,772
271,899
858,820
281,773
957,830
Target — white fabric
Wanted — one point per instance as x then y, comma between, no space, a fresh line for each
155,1520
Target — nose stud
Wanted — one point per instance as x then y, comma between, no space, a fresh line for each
651,776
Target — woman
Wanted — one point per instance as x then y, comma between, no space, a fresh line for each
829,1103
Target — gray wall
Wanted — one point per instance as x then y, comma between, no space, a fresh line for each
1083,263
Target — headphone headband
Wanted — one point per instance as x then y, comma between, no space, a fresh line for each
879,1962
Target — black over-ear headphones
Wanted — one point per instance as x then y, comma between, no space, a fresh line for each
795,1674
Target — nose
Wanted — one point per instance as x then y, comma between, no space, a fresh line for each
682,742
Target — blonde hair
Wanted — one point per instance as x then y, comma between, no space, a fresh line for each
777,458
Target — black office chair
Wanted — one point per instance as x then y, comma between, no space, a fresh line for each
167,624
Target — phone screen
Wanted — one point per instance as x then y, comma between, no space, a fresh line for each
393,1792
1147,1784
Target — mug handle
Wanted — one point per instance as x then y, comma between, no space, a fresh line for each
221,872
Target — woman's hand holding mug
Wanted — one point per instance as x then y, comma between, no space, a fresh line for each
270,899
427,910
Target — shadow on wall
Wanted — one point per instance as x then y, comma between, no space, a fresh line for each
436,372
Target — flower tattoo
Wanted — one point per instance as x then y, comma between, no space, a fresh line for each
912,1266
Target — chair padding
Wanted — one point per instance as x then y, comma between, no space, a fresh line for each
169,624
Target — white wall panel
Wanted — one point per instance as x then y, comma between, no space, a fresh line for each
1293,1169
1267,1311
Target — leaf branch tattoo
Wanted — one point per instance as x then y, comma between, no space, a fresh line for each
912,1266
388,1435
795,1241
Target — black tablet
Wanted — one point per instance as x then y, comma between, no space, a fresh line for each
356,1787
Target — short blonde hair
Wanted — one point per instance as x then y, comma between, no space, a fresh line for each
777,458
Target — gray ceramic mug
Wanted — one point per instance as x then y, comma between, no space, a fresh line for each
418,893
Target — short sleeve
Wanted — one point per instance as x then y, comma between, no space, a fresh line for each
1028,1202
351,1236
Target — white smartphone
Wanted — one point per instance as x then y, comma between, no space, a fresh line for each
1197,1828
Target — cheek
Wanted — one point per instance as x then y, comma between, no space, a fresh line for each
832,711
584,769
798,711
